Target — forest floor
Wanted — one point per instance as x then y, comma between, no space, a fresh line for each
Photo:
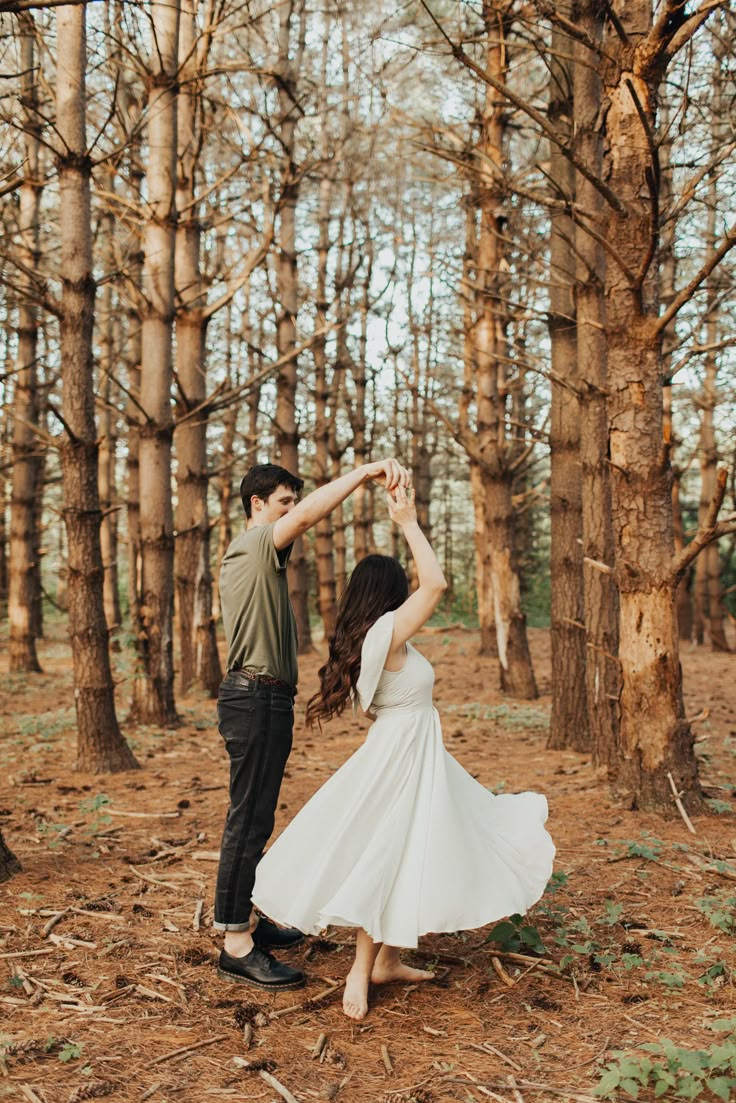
108,984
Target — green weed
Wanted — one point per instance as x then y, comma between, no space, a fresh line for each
674,1071
513,935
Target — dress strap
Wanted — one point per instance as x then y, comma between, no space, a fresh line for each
376,646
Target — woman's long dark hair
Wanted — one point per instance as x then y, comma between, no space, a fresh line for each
377,585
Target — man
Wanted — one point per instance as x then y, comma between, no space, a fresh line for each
256,700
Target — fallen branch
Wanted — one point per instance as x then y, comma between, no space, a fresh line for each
323,995
29,1093
153,880
26,953
48,927
680,806
151,1091
486,1047
187,1049
277,1086
61,940
318,1046
708,867
144,815
386,1058
500,972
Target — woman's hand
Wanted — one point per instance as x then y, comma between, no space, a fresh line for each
401,507
389,473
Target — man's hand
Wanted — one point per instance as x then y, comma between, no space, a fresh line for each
388,473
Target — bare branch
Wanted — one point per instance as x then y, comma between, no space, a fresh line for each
673,28
16,6
617,24
690,288
709,531
536,117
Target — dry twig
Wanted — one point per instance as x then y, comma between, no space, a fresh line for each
186,1049
680,806
277,1086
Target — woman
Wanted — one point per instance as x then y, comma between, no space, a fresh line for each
401,840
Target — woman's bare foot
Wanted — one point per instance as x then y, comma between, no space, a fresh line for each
355,999
390,968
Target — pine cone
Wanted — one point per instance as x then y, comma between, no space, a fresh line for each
93,1090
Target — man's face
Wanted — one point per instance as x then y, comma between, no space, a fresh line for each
266,511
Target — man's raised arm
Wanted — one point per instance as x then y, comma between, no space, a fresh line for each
320,502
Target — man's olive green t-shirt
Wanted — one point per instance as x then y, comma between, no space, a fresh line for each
254,597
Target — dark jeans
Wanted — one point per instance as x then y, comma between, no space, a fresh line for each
256,721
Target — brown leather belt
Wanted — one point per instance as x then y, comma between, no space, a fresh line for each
266,679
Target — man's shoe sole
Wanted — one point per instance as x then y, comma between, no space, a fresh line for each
237,978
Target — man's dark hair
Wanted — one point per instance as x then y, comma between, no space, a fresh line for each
263,479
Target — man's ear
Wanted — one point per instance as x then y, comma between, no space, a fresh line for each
253,507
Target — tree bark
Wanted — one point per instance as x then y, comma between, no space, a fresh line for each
600,596
198,657
100,744
569,715
153,688
23,593
108,428
324,401
130,109
655,737
709,609
495,451
483,582
667,276
287,433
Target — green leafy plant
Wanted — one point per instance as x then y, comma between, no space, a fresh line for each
72,1051
720,807
647,847
612,916
513,935
92,807
675,1072
720,911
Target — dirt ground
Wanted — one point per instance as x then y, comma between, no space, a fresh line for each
107,977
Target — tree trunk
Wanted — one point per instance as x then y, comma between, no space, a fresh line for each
198,657
483,584
153,688
130,137
569,717
683,599
599,589
708,564
9,864
324,401
495,450
667,275
655,737
224,481
25,448
515,664
287,433
100,745
108,428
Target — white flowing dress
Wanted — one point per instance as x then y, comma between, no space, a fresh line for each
402,840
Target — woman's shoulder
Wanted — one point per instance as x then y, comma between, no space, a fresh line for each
372,657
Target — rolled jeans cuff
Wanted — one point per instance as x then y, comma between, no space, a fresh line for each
247,926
